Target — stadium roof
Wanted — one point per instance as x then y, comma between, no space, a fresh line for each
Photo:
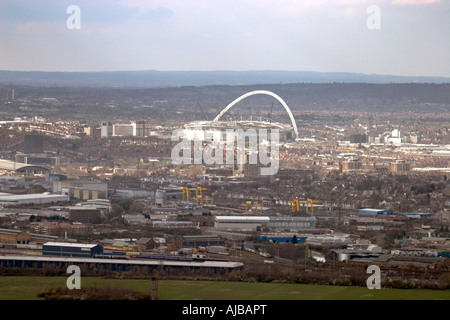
20,167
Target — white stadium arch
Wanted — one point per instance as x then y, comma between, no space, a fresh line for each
252,93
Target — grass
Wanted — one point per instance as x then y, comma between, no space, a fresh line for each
28,288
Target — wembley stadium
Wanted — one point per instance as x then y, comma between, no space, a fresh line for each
201,130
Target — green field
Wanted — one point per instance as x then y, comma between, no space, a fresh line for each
28,288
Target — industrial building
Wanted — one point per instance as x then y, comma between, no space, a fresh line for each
417,215
23,237
375,211
84,214
282,237
71,249
164,196
202,241
87,263
352,253
257,223
35,198
84,190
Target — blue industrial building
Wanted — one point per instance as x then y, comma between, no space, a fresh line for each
75,250
281,237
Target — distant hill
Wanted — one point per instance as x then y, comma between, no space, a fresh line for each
155,79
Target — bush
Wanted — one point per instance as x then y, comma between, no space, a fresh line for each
94,293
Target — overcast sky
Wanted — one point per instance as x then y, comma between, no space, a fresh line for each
298,35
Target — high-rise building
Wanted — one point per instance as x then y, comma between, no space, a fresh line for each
106,130
33,144
92,131
352,164
123,129
141,129
400,166
358,138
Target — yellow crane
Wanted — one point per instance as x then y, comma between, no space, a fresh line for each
187,192
249,205
202,199
256,204
295,205
311,202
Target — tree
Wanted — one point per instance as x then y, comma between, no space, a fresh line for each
294,239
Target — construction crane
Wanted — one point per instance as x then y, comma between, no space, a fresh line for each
295,205
199,191
256,204
202,200
311,202
249,205
187,192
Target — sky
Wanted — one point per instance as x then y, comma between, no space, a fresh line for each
396,37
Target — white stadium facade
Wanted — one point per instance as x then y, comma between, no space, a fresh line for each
200,130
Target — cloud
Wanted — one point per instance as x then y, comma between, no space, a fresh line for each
413,2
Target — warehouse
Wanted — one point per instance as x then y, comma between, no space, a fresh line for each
243,223
35,198
417,215
84,214
376,211
193,241
71,249
11,261
283,237
291,223
23,237
256,223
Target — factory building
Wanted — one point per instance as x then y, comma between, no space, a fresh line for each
147,265
376,211
85,190
257,223
23,237
294,223
35,198
84,214
71,249
417,215
164,196
14,236
282,237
